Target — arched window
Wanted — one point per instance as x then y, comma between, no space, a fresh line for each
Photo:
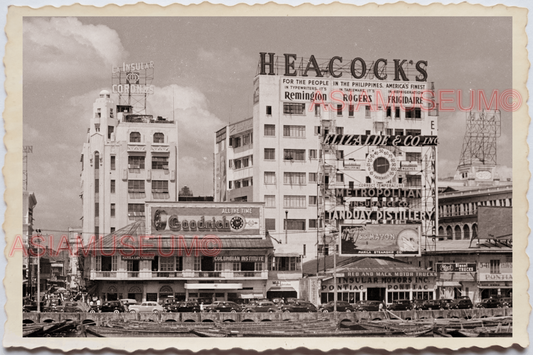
449,233
135,137
458,233
474,230
466,232
134,289
441,232
159,137
166,289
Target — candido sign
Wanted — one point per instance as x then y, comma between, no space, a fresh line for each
209,219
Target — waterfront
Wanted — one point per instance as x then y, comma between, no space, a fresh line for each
466,322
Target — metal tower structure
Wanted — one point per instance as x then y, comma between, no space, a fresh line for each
327,172
137,81
28,149
479,144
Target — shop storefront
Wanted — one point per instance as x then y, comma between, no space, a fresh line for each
186,251
379,279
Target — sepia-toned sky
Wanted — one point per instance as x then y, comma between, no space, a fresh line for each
204,68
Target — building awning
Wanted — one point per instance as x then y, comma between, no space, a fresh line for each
251,295
219,286
494,286
281,289
448,284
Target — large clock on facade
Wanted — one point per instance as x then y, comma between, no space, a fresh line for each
237,224
381,165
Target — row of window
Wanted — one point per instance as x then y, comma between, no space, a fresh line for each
174,263
378,127
237,184
470,208
295,178
292,224
240,163
135,137
238,141
291,201
136,162
411,113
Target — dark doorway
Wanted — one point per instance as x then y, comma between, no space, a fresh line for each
247,266
208,263
376,294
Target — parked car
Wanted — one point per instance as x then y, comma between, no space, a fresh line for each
507,302
261,306
184,306
342,306
417,304
400,305
127,302
113,306
489,303
443,303
148,306
369,306
223,306
75,307
461,303
299,306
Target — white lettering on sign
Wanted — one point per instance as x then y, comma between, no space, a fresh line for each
496,277
127,67
133,89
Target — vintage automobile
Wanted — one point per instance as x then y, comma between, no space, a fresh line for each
489,303
113,306
75,307
183,306
342,306
507,302
148,306
443,303
298,306
463,302
261,306
400,305
223,306
369,306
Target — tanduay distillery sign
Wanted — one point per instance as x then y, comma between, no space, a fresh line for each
200,219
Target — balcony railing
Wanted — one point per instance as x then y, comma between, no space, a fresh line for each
186,274
106,274
167,274
247,273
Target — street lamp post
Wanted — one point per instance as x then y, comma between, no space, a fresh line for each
286,225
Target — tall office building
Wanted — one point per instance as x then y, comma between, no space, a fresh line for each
333,142
127,159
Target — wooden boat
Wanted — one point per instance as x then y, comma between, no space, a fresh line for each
106,332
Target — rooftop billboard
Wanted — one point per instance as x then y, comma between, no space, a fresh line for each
380,239
195,219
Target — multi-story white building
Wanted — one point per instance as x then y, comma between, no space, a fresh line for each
323,138
128,158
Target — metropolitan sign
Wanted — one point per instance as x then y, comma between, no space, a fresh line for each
380,239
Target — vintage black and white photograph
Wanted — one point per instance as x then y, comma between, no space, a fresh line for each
269,177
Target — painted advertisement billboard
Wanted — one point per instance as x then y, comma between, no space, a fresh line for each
197,219
380,239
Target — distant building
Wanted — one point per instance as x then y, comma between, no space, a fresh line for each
127,159
277,157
